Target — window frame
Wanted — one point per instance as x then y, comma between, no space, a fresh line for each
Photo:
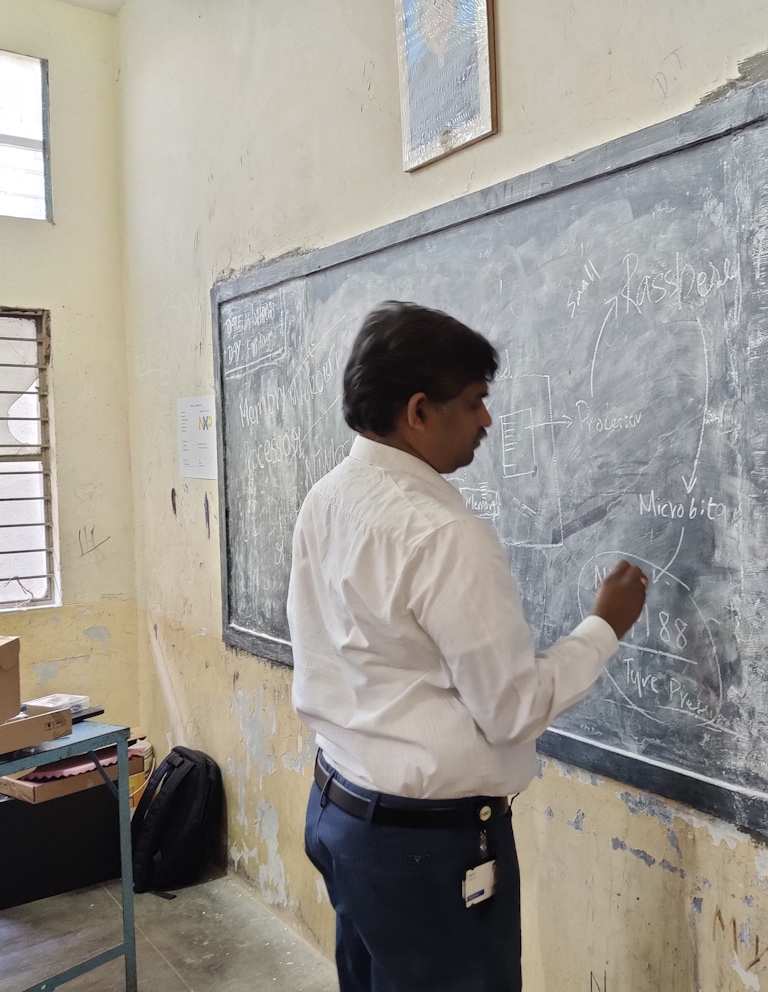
46,138
42,321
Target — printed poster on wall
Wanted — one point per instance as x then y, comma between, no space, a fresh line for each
196,423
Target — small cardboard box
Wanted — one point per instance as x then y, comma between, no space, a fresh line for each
40,792
10,686
34,730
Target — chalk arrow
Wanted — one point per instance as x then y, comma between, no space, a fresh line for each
691,481
658,572
613,308
553,423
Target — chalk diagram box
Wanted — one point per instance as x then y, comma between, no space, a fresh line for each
518,448
521,445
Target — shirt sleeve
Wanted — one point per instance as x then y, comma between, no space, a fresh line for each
459,587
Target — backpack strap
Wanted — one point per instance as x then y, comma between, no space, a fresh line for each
184,846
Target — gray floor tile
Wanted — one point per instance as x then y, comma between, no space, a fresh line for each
213,937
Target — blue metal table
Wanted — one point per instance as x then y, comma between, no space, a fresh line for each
85,738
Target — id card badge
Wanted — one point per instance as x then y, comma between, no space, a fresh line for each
479,883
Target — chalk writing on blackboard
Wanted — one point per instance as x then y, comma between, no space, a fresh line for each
627,293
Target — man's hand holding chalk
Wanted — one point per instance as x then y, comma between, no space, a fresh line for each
621,596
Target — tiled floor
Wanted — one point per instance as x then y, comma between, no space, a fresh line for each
213,937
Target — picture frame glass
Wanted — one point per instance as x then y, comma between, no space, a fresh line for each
446,74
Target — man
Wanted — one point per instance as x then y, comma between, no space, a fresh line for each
416,670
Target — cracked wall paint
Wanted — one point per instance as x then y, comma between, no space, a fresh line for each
45,671
236,774
561,767
271,875
258,722
674,843
673,869
761,862
749,980
648,805
745,933
619,845
571,771
589,778
578,821
241,857
693,899
652,806
99,634
306,749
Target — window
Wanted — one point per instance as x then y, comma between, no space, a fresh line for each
27,560
25,189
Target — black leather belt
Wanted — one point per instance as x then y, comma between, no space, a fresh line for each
453,813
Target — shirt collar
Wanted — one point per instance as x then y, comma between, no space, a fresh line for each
395,460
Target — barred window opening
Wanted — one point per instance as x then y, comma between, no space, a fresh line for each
27,551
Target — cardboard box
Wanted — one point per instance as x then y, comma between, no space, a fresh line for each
40,792
10,684
33,730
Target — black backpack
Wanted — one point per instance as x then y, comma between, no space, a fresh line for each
175,826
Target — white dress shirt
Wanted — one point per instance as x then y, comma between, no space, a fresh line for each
414,665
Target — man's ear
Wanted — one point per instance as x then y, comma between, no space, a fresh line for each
415,412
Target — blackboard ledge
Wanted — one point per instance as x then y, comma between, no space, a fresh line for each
748,811
263,646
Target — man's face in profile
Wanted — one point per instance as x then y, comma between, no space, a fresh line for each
436,20
456,429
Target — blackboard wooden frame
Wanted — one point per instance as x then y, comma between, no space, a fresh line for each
737,111
735,806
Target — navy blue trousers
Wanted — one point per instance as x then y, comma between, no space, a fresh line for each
401,921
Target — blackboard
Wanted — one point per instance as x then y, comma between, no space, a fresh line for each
627,292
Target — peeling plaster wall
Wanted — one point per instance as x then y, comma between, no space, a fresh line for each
255,129
73,268
635,892
197,692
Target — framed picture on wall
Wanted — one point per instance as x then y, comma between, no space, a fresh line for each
447,76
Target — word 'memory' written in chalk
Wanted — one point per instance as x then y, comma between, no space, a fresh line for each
484,502
303,387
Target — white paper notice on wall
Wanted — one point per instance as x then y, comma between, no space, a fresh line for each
196,419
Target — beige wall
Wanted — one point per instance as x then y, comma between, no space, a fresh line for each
73,268
253,129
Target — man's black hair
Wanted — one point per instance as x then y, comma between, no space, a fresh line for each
403,349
